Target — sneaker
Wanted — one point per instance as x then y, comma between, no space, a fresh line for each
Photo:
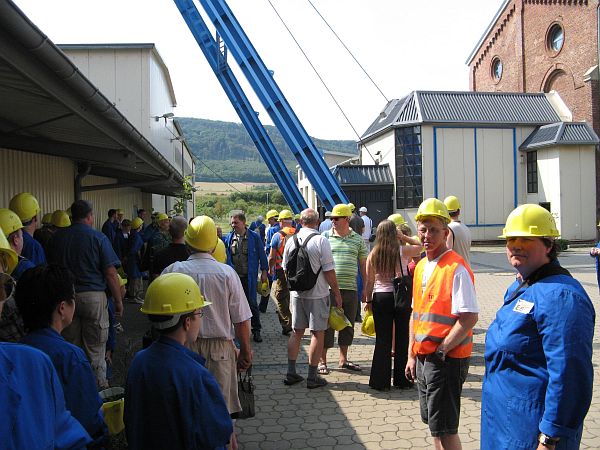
257,337
292,378
316,382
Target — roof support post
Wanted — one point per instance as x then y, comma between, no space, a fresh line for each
83,170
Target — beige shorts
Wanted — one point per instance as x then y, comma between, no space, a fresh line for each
221,361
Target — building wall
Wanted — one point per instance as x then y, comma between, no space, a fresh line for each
519,39
128,199
49,178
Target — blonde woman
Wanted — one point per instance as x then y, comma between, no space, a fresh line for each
391,321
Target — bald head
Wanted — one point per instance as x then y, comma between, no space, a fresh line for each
309,218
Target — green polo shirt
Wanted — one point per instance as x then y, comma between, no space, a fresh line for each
347,252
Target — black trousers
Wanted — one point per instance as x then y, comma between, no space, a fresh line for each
385,314
251,297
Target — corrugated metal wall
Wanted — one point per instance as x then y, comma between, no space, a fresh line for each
127,199
48,178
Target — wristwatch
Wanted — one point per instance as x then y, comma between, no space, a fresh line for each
440,354
544,439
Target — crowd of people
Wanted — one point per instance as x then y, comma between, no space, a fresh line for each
62,288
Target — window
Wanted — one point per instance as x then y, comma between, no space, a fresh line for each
409,182
532,173
555,38
497,69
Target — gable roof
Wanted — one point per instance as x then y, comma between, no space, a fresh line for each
562,133
487,31
481,108
353,175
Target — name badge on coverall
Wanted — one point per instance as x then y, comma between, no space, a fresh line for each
523,306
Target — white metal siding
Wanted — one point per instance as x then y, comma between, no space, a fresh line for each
128,199
49,178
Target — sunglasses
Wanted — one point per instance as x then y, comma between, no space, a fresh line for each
199,313
7,286
335,219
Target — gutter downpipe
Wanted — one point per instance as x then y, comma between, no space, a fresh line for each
83,170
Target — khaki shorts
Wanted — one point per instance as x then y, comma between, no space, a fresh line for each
311,313
221,361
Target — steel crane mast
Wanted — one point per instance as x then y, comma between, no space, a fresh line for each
306,153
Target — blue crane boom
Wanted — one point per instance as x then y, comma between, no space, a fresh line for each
216,55
306,153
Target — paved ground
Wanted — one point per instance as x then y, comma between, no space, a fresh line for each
347,414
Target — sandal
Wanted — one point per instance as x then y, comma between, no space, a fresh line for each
351,366
322,369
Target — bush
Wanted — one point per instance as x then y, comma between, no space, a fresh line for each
562,244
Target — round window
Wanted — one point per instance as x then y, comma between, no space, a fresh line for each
556,38
497,69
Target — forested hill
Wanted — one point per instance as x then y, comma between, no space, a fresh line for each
226,149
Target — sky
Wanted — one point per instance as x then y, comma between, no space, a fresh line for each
403,46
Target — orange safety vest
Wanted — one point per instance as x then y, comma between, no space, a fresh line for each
432,308
284,232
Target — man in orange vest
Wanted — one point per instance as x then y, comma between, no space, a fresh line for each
445,310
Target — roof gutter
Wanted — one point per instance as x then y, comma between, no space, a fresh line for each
93,104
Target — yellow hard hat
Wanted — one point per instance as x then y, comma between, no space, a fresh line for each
352,207
530,220
432,207
368,324
201,234
263,288
337,319
25,206
136,223
397,219
47,219
341,210
219,253
162,216
9,221
452,203
120,212
285,214
60,219
8,255
296,216
173,294
271,213
122,281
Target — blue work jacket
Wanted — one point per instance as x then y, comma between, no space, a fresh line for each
538,365
33,250
134,245
33,414
23,265
173,402
76,377
109,230
256,257
270,233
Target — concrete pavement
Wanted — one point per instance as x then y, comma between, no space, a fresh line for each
348,415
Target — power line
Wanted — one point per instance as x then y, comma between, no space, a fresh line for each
348,50
320,78
219,176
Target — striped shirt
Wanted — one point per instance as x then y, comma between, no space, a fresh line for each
347,252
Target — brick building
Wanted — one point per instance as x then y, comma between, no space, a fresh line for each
541,46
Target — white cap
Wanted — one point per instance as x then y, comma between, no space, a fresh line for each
362,209
260,218
327,213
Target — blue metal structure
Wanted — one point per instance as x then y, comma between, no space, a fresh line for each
216,55
261,80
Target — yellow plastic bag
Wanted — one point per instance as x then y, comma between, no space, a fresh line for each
337,320
113,409
368,324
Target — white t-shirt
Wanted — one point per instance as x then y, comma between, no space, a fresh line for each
463,290
319,252
461,240
366,234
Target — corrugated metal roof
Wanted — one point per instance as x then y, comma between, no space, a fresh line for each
480,108
562,133
353,175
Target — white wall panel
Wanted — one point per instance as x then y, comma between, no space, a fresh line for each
49,178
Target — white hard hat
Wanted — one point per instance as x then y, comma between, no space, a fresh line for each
362,209
327,213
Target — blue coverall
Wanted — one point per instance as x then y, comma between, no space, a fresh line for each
76,377
33,250
173,402
538,366
33,414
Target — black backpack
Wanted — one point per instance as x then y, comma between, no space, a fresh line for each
298,271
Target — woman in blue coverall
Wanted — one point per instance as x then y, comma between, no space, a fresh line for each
45,296
33,413
538,379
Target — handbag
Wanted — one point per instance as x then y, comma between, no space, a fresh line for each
246,394
402,289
